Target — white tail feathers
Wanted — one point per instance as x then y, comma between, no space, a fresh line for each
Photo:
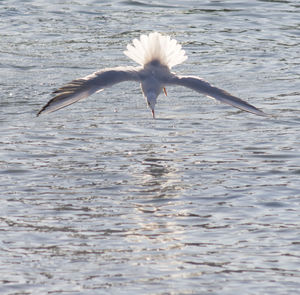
156,47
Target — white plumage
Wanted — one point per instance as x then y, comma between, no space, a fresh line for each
156,47
156,54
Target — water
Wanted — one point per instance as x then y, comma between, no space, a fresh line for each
99,198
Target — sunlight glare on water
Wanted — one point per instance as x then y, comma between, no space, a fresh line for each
99,198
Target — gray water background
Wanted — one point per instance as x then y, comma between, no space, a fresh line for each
99,198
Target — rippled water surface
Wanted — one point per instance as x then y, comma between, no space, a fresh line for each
99,198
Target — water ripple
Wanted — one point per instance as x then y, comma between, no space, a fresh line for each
100,198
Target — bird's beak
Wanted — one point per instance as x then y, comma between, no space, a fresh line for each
153,114
165,91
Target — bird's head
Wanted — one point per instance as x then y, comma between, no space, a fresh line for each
151,98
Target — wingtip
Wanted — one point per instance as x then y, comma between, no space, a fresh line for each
41,111
262,113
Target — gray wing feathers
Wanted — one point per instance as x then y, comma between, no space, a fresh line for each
84,87
204,87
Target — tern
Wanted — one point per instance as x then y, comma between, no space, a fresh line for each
156,54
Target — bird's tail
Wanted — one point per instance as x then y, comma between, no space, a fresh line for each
156,47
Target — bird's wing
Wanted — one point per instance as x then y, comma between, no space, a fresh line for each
204,87
83,87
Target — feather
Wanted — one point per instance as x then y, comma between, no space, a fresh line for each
156,47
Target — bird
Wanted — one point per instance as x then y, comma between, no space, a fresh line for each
156,54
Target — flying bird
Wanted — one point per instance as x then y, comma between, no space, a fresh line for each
156,54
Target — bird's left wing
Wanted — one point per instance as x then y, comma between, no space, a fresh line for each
204,87
83,87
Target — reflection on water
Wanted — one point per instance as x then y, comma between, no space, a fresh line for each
160,179
100,198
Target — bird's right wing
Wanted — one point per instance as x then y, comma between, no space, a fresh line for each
204,87
83,87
